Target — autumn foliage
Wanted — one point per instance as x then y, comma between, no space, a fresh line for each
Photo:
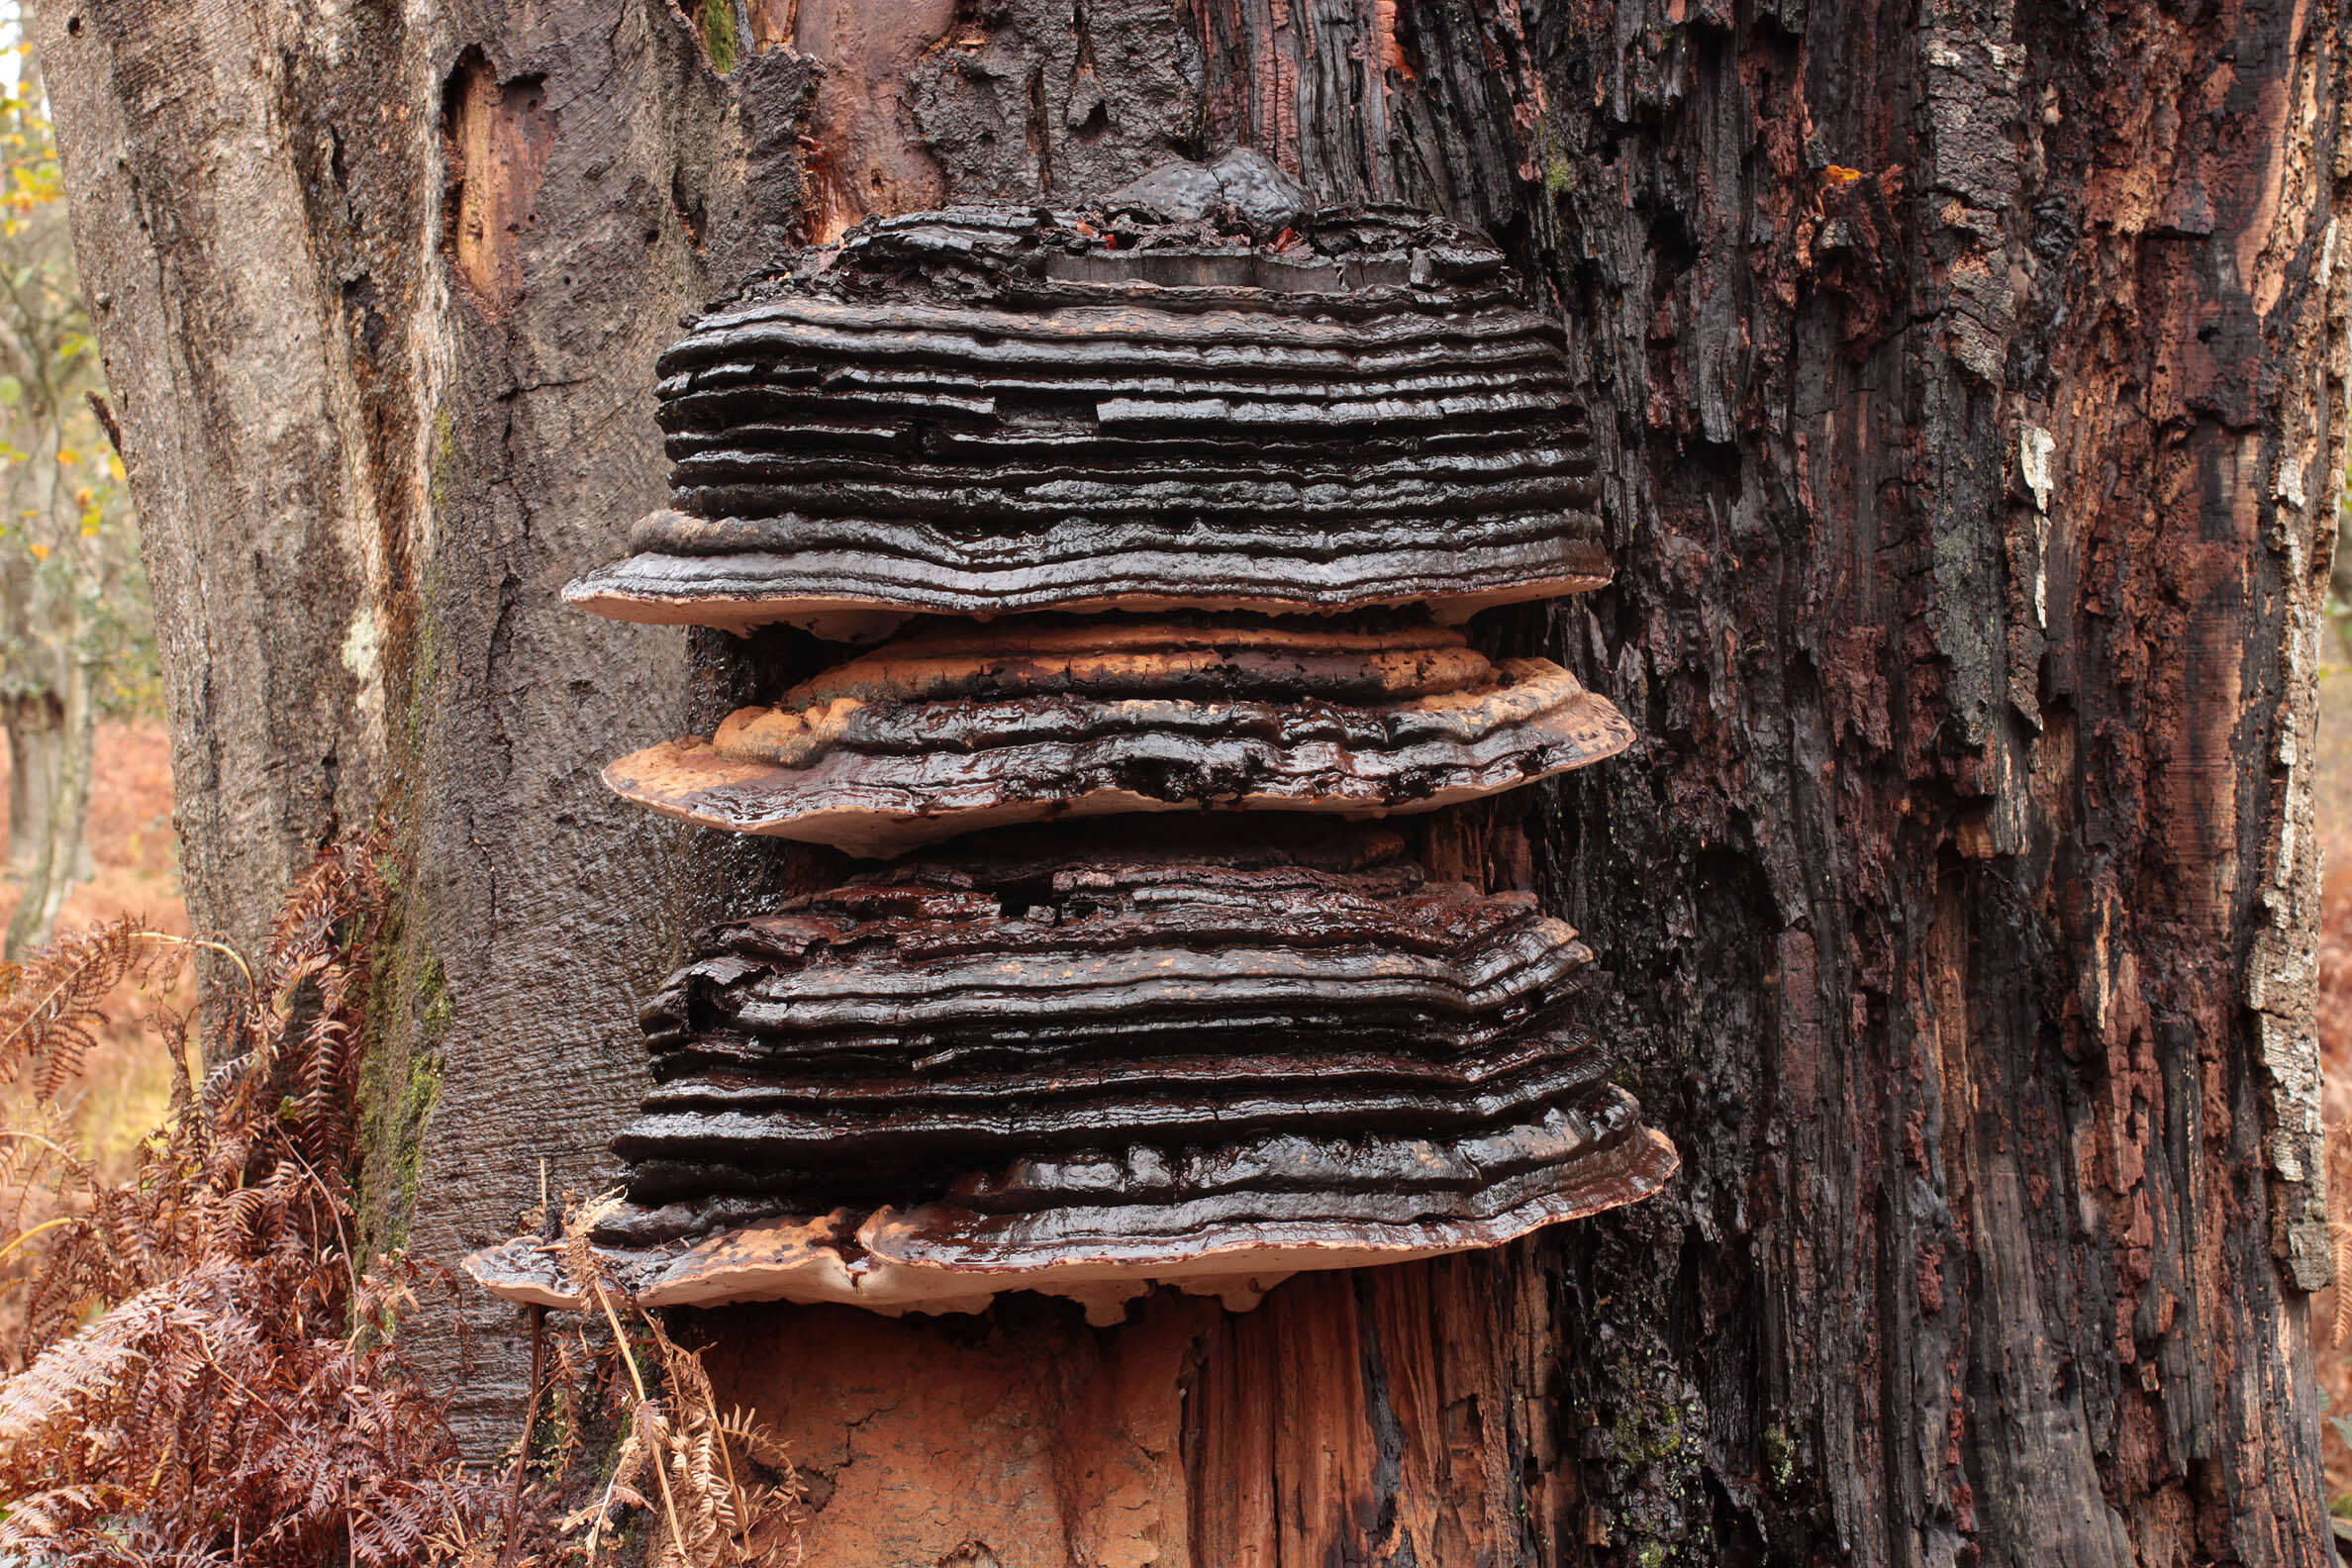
204,1369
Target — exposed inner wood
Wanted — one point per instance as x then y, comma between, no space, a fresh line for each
495,137
981,411
955,727
1067,1062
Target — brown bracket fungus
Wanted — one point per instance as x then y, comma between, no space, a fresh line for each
1207,478
952,728
1085,1068
986,411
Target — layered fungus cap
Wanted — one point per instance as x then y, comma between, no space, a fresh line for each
1088,1068
1162,401
954,726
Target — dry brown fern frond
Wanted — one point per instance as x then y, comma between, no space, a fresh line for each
715,1506
2337,1149
221,1406
52,1004
211,1374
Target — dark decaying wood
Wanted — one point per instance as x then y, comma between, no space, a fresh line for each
1964,383
949,729
986,410
1105,1056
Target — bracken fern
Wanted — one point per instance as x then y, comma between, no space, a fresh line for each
192,1386
205,1371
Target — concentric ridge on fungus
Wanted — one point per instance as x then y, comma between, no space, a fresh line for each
1208,478
1089,1070
955,727
985,410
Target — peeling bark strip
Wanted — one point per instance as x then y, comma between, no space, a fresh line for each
1970,380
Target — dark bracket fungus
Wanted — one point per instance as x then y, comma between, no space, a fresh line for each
1088,1066
955,727
986,411
1409,1198
1185,494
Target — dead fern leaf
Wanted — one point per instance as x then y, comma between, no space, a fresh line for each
716,1509
210,1374
216,1409
51,1005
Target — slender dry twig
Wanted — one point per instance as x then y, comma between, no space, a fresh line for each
715,1518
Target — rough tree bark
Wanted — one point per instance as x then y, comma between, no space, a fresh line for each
1977,371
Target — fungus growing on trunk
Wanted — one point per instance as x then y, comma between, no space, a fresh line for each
1214,476
1089,1063
954,727
986,411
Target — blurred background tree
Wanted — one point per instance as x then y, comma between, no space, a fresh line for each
76,636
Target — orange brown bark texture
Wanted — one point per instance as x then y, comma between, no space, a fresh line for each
1968,379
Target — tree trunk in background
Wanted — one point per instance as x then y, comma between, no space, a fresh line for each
32,720
53,756
1976,371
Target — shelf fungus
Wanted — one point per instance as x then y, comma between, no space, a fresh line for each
989,411
1090,1065
1172,503
955,727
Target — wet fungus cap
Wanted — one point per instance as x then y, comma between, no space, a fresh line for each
1183,493
983,410
1101,1059
954,727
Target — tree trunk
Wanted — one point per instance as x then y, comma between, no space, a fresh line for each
53,756
1972,479
48,701
35,719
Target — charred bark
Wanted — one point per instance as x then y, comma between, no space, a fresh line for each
1967,384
